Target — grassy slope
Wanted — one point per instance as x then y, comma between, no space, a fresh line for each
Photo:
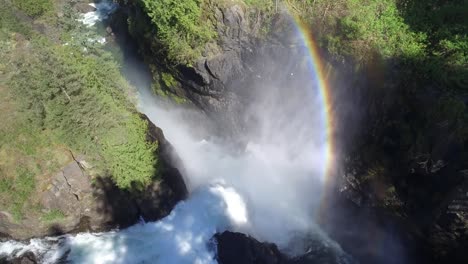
57,98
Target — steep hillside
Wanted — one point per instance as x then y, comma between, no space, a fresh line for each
71,141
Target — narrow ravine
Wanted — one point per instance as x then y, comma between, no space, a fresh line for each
270,189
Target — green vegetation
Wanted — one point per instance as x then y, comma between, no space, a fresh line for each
181,27
10,23
83,101
164,85
34,8
61,93
22,187
130,157
361,29
429,38
413,56
168,79
53,216
262,5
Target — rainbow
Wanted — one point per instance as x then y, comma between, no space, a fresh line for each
319,72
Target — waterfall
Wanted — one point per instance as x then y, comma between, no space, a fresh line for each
271,189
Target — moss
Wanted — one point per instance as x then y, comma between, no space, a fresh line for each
163,84
374,173
168,95
391,190
168,80
53,215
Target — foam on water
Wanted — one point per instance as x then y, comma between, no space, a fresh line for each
182,237
103,10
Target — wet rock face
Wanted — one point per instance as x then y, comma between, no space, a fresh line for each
423,201
234,248
26,258
231,71
448,235
404,182
98,204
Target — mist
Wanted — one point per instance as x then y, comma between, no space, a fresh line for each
266,180
279,168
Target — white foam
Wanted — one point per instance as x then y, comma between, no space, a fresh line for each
103,10
182,237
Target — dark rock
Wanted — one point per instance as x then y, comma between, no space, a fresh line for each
234,248
222,81
26,258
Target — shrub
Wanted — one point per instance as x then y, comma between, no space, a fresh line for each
84,102
180,27
34,8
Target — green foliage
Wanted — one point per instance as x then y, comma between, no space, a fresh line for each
129,155
168,80
9,22
378,25
71,95
360,29
53,215
446,25
17,190
83,100
34,8
180,27
428,38
263,5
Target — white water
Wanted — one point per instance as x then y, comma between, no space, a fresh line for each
182,237
269,190
261,191
281,192
103,10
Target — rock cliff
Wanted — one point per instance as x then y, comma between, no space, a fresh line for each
89,203
403,159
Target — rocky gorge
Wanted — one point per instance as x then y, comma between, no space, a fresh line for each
416,188
403,185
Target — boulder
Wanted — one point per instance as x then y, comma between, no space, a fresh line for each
234,248
26,258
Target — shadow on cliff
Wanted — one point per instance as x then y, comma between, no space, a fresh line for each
445,25
123,208
404,162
